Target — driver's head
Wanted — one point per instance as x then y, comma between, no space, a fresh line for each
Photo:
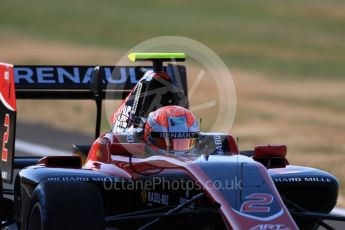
172,128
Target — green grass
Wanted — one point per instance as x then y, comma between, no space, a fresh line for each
291,38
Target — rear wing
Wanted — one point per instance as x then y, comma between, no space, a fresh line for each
65,82
81,82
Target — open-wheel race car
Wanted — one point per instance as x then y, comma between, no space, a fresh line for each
155,169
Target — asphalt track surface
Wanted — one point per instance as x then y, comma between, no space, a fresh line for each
40,140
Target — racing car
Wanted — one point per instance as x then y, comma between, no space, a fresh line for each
155,169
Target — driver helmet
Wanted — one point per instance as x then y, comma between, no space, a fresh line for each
171,128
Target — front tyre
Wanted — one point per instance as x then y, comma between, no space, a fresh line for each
65,205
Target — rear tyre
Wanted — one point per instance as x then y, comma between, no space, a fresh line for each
65,205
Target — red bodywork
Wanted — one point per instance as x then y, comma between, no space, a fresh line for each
111,157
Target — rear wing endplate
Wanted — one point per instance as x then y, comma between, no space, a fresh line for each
7,120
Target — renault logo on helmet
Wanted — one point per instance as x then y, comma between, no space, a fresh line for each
174,135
